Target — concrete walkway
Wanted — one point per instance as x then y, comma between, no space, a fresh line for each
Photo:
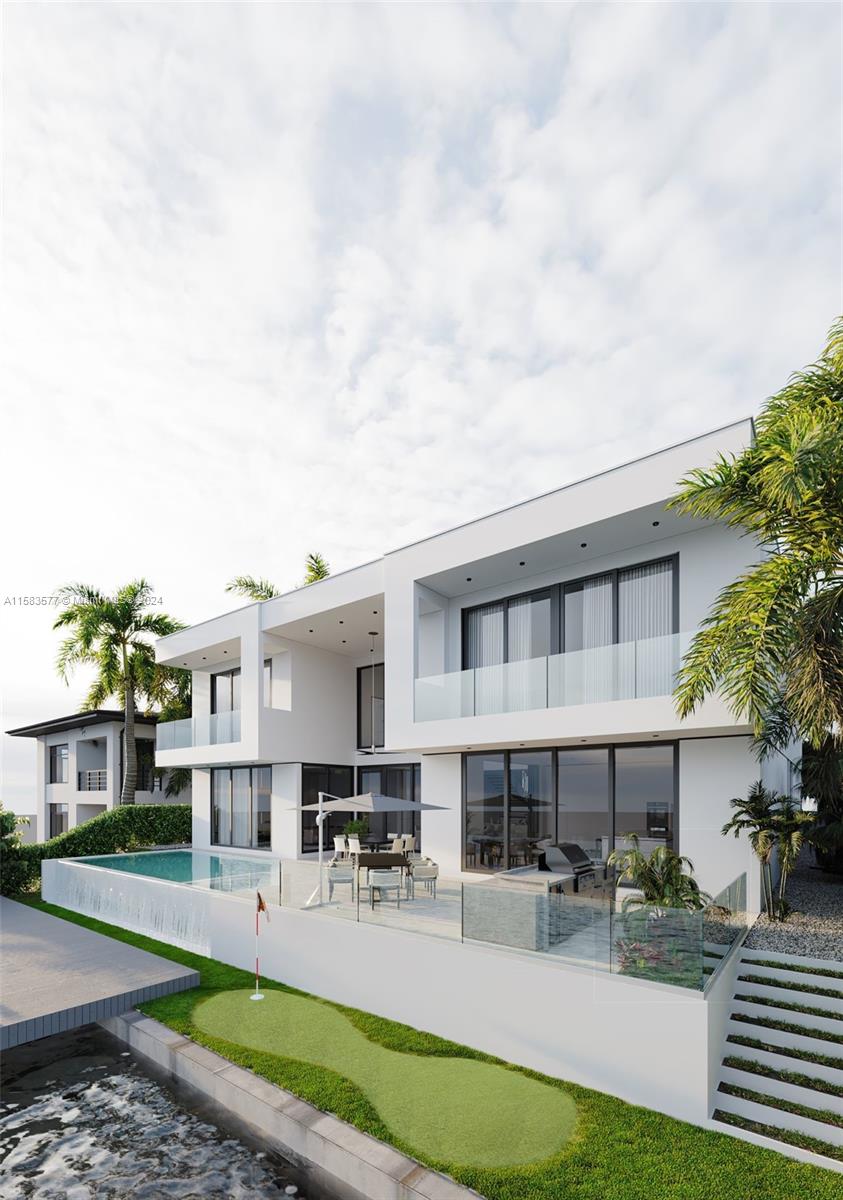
56,976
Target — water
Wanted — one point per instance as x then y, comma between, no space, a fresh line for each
223,872
81,1120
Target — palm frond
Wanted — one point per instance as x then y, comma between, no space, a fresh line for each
252,588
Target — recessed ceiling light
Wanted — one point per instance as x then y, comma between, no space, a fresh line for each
204,659
522,564
582,739
468,579
583,545
374,612
184,664
342,622
225,652
310,631
655,523
343,641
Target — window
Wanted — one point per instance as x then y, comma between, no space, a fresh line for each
148,781
485,800
402,781
626,605
241,807
338,781
267,683
58,764
225,691
58,818
370,706
515,799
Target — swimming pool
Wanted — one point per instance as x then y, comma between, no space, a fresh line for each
198,868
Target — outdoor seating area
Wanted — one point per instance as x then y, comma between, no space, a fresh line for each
389,873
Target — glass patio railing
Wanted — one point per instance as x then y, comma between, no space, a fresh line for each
211,729
621,671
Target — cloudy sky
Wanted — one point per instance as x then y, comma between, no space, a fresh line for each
282,278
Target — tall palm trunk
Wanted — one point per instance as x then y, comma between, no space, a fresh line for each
130,771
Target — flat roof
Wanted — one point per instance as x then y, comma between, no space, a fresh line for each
93,716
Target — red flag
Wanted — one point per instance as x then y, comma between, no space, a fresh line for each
262,906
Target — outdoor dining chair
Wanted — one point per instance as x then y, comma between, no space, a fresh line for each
340,848
427,874
354,846
384,881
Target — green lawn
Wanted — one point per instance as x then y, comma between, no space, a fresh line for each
449,1109
617,1151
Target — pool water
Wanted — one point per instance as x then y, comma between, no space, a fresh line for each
82,1120
201,868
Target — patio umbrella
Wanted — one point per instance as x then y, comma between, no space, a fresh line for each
367,802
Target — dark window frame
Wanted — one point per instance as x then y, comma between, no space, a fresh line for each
230,674
58,809
361,745
64,759
557,605
327,834
250,845
555,752
381,767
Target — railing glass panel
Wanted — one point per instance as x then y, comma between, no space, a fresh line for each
621,671
210,729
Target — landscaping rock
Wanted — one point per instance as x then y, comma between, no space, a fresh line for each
815,927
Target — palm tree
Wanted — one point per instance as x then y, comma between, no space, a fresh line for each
316,568
772,643
112,634
661,879
251,588
754,817
792,828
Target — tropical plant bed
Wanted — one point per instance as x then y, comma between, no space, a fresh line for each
616,1150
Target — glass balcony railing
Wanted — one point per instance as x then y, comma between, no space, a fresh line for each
622,671
212,729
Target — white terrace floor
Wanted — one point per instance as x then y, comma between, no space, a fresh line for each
436,916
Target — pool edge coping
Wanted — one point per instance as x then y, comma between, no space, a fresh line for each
353,1163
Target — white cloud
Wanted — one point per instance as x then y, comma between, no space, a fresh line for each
283,278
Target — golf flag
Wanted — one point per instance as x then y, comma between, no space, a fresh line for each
261,908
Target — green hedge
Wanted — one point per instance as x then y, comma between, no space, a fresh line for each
125,828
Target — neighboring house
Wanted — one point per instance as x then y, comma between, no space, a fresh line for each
521,678
80,767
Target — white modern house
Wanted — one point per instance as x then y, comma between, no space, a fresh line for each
79,767
515,671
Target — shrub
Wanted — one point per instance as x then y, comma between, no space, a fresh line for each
112,832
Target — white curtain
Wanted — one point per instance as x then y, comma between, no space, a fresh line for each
485,635
645,617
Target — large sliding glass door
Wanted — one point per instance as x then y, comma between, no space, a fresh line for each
403,781
241,807
594,796
584,800
336,781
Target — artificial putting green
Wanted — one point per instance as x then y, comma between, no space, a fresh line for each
451,1109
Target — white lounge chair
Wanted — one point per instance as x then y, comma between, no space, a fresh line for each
354,846
397,845
340,847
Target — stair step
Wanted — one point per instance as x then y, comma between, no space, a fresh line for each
784,1062
794,1145
787,995
782,1090
775,1013
780,1118
782,1037
787,976
828,964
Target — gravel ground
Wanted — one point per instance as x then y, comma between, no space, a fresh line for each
815,927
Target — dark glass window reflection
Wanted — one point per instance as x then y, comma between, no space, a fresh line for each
484,811
530,804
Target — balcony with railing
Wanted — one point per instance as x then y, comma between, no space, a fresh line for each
209,729
622,671
93,781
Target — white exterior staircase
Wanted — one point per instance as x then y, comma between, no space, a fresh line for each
782,1071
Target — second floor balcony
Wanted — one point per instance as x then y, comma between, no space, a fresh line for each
211,729
620,671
